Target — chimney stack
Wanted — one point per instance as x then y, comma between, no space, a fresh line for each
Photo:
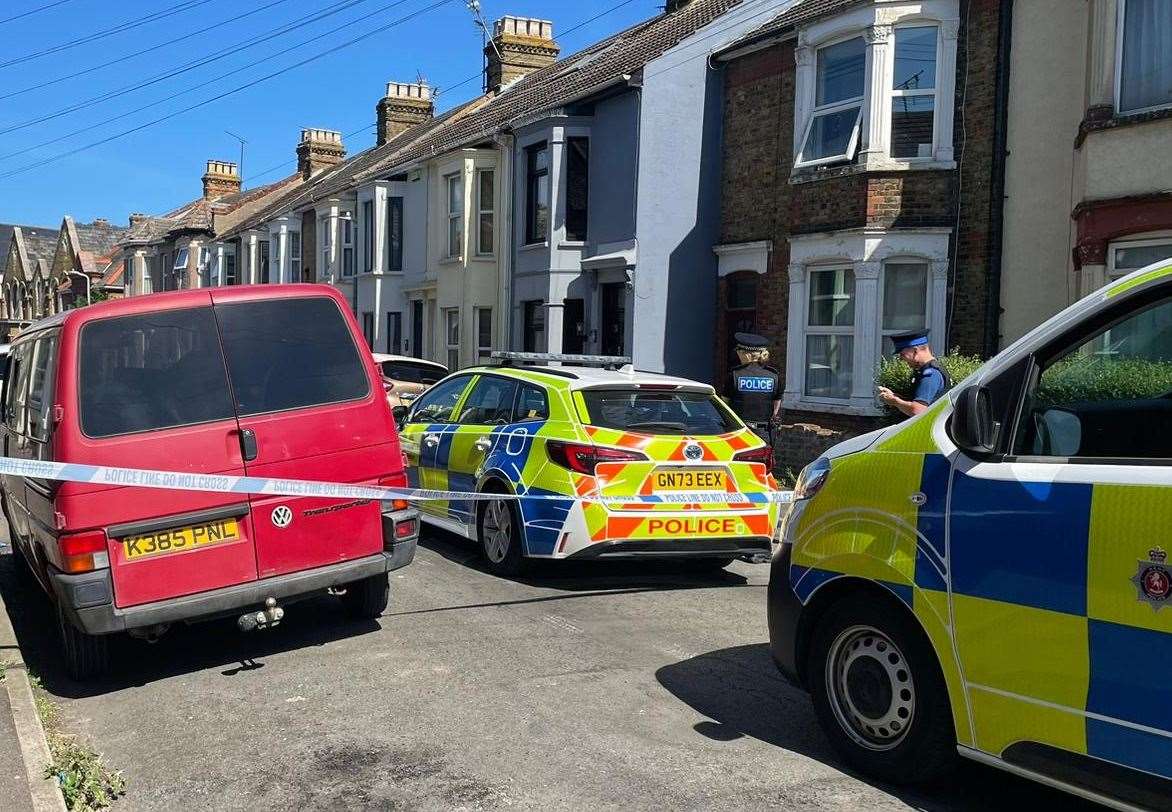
520,45
675,5
318,150
220,179
137,218
404,106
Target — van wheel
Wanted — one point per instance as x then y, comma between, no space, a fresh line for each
367,599
500,538
879,693
86,655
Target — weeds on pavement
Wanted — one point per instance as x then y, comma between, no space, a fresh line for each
86,782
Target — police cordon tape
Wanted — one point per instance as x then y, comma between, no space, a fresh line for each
219,483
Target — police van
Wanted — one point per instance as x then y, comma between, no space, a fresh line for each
991,578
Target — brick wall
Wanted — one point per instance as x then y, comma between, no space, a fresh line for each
760,202
804,436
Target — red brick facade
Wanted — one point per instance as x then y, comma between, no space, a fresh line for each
762,202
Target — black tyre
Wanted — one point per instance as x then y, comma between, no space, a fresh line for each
499,530
879,693
24,569
86,655
367,599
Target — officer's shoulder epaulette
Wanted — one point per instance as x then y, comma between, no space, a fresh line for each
772,368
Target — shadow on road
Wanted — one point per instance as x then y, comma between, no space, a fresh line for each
184,649
741,693
644,575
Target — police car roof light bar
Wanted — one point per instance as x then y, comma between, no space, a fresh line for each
605,361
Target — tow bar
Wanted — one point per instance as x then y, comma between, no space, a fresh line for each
266,619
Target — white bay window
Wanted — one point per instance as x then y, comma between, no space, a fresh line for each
849,292
876,86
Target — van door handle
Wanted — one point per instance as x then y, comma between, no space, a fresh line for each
431,440
248,445
483,444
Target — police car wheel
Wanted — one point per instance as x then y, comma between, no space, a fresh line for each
879,693
500,537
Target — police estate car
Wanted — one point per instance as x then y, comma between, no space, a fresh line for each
589,437
991,577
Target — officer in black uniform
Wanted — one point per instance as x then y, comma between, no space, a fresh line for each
755,386
929,380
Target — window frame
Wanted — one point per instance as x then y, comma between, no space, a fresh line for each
368,329
455,217
182,257
480,381
933,92
1127,242
394,244
1120,28
884,332
367,236
521,386
816,111
233,278
483,212
346,241
294,256
570,140
451,347
532,178
463,379
264,259
821,330
482,350
395,319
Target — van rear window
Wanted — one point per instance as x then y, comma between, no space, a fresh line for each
153,371
657,412
290,354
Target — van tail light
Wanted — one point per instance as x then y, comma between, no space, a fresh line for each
582,458
763,455
398,480
84,552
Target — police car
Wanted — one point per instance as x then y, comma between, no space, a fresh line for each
585,439
991,578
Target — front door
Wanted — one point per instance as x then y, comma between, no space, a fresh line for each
1060,551
309,410
613,326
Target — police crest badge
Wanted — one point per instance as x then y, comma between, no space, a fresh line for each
1153,581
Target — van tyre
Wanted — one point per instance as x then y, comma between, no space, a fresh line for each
499,529
879,693
86,655
367,599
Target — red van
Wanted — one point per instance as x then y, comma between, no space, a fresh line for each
265,381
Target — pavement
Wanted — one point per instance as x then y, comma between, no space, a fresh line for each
586,686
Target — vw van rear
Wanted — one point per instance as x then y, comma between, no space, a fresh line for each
241,382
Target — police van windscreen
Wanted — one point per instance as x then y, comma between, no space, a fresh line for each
657,412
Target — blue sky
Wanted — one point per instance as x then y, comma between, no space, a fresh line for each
159,167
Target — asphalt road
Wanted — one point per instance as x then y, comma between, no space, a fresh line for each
633,686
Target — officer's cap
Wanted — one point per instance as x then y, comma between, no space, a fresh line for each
751,341
916,338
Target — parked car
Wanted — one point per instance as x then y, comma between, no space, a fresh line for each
990,578
407,377
578,432
248,381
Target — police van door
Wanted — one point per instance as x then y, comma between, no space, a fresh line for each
1060,545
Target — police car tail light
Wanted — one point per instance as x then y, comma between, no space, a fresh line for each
83,552
763,455
812,478
582,457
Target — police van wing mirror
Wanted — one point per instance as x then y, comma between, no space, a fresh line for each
400,415
973,426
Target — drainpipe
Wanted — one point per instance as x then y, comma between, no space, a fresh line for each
997,186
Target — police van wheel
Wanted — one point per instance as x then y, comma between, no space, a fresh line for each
879,693
500,537
86,655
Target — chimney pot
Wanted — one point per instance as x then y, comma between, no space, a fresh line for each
405,105
319,149
220,179
137,218
520,45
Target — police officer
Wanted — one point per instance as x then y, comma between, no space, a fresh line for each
929,380
755,386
